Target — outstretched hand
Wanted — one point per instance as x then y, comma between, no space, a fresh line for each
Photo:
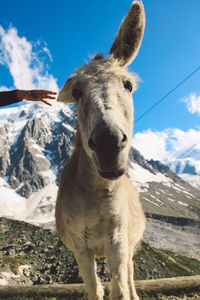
36,95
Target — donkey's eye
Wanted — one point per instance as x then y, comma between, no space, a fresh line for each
128,85
77,93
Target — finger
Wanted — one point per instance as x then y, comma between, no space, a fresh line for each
43,92
36,97
52,93
49,97
46,102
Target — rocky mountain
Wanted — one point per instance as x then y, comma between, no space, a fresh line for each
162,191
35,143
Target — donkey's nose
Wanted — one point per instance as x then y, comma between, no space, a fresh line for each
106,138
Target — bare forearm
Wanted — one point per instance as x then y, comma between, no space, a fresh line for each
9,97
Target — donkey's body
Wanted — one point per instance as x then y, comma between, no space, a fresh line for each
98,212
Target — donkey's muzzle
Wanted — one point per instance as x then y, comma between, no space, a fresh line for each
107,144
107,139
112,175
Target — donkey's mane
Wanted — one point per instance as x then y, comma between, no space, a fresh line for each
106,66
98,56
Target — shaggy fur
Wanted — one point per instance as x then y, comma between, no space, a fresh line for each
98,212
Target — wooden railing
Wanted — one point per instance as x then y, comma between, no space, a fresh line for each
166,285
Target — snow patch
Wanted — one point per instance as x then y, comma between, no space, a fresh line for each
68,127
170,199
14,279
183,204
140,177
156,199
41,205
12,205
148,200
194,180
38,209
177,188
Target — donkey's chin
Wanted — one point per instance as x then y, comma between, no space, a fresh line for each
112,175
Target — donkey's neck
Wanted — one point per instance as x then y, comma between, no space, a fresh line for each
88,173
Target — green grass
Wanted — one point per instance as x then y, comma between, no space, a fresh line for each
153,263
32,298
12,261
143,296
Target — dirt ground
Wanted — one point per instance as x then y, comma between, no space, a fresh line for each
194,297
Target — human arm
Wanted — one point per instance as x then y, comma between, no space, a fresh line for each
10,97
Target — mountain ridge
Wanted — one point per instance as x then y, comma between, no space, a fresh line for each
36,142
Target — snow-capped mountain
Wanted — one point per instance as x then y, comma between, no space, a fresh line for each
186,163
35,143
162,191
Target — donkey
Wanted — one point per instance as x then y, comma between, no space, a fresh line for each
98,212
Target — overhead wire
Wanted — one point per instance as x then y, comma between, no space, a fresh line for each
166,95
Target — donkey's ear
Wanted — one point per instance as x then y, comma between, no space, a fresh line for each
130,34
65,95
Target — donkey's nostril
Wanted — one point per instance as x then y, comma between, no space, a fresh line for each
91,143
124,139
103,139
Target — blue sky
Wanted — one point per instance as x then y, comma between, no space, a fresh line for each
55,37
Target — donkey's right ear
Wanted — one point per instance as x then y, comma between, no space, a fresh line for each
65,95
130,34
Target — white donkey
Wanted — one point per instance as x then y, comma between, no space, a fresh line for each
98,212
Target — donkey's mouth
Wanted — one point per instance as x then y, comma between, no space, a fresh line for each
111,175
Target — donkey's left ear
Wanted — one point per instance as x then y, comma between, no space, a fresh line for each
130,34
65,95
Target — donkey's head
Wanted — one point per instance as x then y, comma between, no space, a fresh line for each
102,91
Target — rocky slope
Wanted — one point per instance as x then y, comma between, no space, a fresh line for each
32,255
180,235
162,191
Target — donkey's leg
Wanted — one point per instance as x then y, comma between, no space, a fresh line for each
117,258
133,294
87,267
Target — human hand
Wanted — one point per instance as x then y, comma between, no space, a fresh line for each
36,95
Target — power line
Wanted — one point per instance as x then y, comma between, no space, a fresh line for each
164,97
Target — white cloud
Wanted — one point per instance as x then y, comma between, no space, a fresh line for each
151,144
181,140
171,143
167,144
25,61
193,103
